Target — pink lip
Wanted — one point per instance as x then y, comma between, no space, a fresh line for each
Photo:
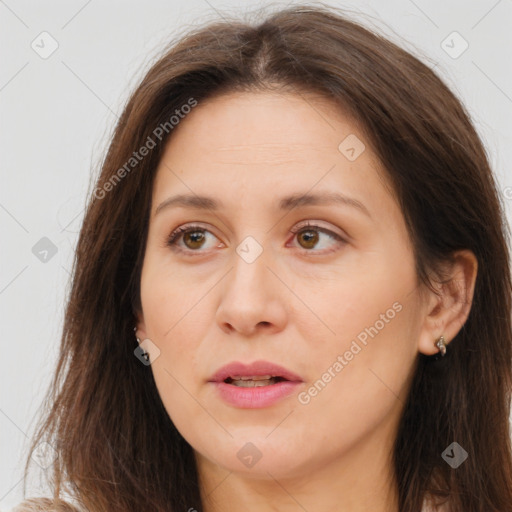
255,397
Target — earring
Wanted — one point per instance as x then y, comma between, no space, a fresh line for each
144,354
440,344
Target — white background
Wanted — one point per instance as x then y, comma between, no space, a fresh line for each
57,115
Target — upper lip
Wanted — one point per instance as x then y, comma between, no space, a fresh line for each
254,369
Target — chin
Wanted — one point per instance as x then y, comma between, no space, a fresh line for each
258,455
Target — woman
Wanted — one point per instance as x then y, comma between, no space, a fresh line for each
291,288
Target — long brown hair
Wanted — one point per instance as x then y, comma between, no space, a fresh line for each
117,448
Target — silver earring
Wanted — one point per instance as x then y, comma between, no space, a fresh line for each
144,354
440,344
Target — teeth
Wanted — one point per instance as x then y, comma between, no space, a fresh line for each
249,383
254,377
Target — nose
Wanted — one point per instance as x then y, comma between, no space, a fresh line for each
252,299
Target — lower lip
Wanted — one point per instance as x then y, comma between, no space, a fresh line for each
255,397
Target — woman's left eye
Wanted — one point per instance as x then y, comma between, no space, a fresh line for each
194,238
310,236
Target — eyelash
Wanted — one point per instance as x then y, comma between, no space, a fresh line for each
176,235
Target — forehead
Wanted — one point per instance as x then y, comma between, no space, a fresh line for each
242,144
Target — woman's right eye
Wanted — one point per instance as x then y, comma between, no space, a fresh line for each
192,236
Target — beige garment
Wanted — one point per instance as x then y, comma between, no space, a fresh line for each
429,507
43,505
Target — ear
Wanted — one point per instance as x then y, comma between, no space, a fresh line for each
446,311
140,332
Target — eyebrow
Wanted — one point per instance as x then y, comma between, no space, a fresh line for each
285,204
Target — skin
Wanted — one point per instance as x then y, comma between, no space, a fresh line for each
297,304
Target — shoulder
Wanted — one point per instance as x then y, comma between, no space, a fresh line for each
45,505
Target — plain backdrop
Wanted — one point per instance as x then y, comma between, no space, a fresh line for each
58,111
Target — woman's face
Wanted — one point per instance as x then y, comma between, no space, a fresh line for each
280,272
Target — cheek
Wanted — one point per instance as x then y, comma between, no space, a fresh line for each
371,356
176,371
369,291
172,306
359,388
169,297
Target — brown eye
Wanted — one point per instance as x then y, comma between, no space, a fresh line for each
308,239
310,236
193,239
189,238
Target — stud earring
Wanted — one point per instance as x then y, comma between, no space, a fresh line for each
441,345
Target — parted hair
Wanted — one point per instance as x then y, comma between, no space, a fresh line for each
118,450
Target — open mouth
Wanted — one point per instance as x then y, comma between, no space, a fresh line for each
253,382
256,385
